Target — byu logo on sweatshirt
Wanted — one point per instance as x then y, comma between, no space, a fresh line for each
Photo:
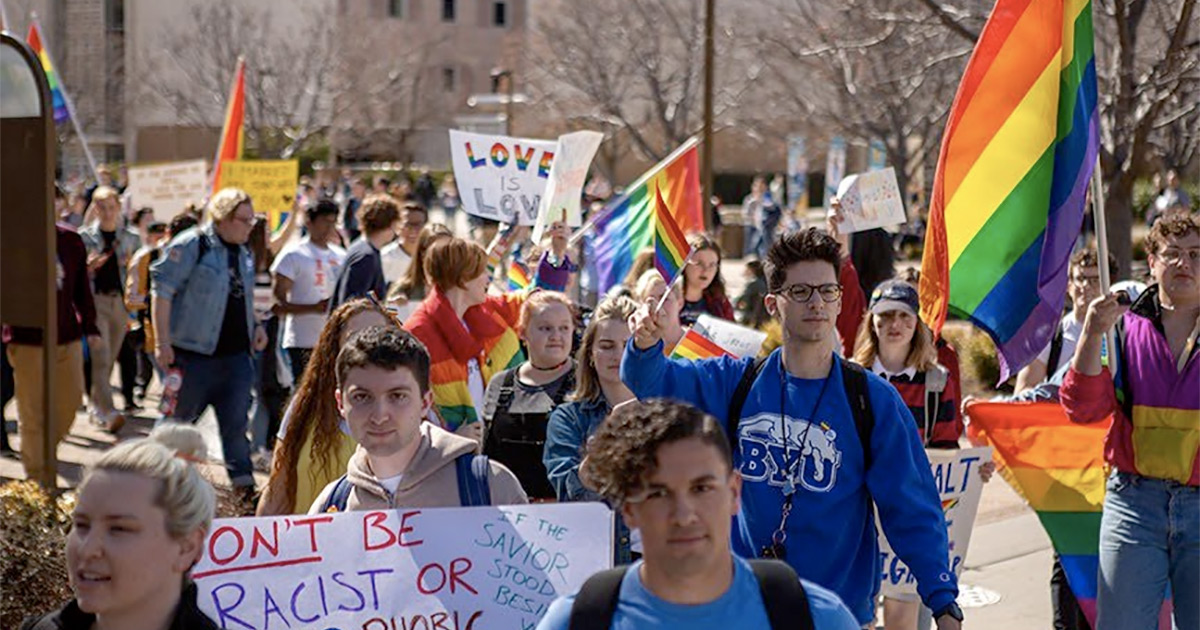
813,464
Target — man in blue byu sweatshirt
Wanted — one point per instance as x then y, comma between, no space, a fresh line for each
809,481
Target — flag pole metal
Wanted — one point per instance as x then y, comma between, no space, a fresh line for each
1102,247
62,87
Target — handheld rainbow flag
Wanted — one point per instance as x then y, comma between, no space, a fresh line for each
627,224
518,277
1008,196
671,249
233,131
61,112
695,346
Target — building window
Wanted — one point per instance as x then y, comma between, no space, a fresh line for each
449,79
447,10
500,13
114,15
396,8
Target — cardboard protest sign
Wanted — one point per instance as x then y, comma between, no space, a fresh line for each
167,188
271,185
870,200
567,175
735,339
499,177
495,567
960,487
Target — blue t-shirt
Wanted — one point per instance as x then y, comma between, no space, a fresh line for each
740,607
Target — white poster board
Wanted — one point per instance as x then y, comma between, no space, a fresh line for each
870,200
499,177
735,339
167,188
567,175
956,474
493,567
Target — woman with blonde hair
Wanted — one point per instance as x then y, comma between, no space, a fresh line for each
138,528
314,444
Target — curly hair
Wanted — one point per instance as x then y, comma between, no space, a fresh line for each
313,406
624,450
1178,225
799,246
378,212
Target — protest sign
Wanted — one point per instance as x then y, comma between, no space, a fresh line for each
567,175
499,177
797,169
735,339
956,474
271,185
870,200
168,188
451,568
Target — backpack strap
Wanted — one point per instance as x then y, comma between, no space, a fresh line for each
740,393
854,380
336,501
1056,346
596,602
473,486
783,595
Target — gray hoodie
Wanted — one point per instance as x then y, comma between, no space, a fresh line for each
431,480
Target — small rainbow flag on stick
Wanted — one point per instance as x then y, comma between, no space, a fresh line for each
61,113
695,346
671,249
518,276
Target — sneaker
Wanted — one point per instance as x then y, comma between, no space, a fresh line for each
115,423
247,499
261,461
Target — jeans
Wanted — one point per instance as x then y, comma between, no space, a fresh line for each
299,358
225,383
1149,539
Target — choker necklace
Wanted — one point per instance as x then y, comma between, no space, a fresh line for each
548,369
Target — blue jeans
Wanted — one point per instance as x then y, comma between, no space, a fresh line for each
225,383
1149,539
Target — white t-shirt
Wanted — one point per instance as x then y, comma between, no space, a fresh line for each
395,261
313,272
391,483
1071,328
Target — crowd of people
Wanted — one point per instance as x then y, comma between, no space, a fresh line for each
413,376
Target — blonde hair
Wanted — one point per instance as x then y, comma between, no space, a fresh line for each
223,204
587,381
104,192
188,500
538,301
922,353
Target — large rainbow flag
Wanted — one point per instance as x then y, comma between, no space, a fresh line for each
232,143
627,223
61,112
1008,196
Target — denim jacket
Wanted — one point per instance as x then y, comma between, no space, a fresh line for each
126,244
570,425
198,288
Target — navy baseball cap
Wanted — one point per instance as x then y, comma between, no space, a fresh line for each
895,295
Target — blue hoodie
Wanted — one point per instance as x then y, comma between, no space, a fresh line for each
831,537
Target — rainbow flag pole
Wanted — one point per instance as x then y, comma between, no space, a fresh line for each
57,89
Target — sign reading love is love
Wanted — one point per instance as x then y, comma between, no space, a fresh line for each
499,177
460,568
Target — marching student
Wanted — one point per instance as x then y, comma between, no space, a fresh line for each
703,286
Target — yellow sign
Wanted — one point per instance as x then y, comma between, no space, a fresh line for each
271,185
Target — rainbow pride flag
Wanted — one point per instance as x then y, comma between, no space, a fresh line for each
627,224
1008,196
695,346
518,276
61,112
233,131
671,249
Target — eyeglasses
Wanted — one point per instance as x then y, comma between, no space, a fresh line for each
1171,254
801,293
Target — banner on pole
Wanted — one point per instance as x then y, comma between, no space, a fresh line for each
870,200
494,567
501,178
876,155
835,166
271,185
959,485
797,168
568,172
168,188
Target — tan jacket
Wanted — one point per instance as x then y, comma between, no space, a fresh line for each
431,480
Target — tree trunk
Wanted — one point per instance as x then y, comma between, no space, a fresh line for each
1118,210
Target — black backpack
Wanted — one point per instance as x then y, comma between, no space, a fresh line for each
473,487
783,596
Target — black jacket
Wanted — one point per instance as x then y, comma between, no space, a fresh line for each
187,616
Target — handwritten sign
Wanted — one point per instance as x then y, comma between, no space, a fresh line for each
499,177
567,176
168,188
960,487
271,185
451,568
871,200
736,339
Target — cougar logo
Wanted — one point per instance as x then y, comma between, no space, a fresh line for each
765,457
